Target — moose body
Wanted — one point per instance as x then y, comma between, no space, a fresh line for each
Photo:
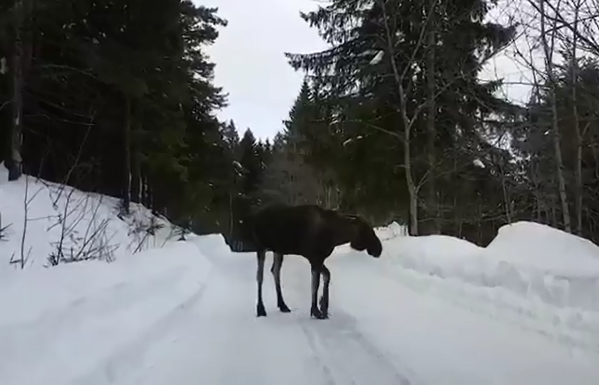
309,231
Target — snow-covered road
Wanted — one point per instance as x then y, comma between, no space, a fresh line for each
432,310
382,330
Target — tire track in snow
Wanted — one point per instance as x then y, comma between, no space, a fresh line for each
129,292
123,361
119,364
221,342
347,356
56,324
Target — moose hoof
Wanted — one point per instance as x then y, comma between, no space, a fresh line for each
260,311
316,313
284,308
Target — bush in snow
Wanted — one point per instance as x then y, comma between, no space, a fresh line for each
3,230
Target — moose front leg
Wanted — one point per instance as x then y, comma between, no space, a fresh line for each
314,310
324,300
261,256
277,263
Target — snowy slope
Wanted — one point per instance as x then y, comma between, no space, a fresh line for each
86,223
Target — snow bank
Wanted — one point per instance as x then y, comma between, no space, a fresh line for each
393,230
212,244
440,255
63,324
547,249
528,259
81,225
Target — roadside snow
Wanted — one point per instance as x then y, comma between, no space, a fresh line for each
547,249
393,230
531,274
528,259
64,222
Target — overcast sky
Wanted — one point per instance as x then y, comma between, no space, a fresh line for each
250,61
252,69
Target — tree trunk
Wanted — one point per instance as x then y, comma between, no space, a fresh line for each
135,160
13,159
560,164
431,190
142,187
410,184
403,110
548,51
149,195
506,199
579,142
126,189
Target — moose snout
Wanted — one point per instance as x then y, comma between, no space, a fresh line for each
376,251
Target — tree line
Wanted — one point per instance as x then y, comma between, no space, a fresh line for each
116,98
395,122
392,121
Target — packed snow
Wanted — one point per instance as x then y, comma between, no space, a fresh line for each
431,310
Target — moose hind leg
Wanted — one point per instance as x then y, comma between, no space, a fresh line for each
314,310
324,300
277,263
260,310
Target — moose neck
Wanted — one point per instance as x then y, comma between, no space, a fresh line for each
343,230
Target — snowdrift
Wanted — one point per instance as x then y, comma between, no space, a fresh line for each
106,313
528,259
60,223
391,231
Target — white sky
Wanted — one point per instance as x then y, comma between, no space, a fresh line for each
252,68
250,61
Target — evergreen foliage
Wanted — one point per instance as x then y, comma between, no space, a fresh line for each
118,98
391,122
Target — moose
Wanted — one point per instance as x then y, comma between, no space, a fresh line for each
309,231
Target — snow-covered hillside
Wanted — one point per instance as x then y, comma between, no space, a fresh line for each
431,310
45,223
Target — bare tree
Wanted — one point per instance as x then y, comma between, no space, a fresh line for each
21,261
430,123
543,32
290,179
403,79
73,245
575,22
579,141
548,41
403,93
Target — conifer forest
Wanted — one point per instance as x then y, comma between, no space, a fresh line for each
393,121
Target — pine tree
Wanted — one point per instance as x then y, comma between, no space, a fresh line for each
372,112
121,101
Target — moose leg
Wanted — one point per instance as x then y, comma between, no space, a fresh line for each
324,300
277,263
314,310
260,311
